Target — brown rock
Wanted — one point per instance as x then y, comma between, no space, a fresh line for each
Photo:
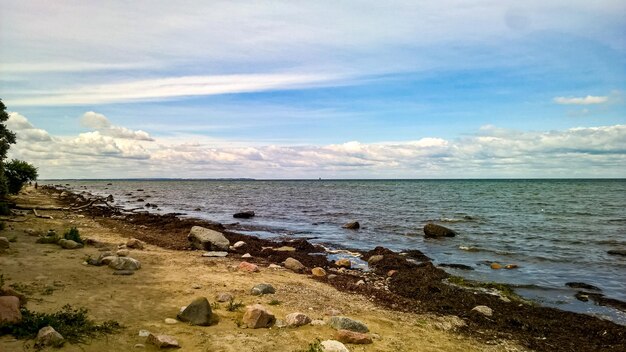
245,266
433,230
318,272
347,336
375,259
343,263
297,319
225,297
135,244
162,341
293,265
496,266
256,316
511,266
9,291
10,310
354,225
4,243
391,273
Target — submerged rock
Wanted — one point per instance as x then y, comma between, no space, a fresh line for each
354,225
4,243
244,214
135,243
457,266
433,231
207,239
582,285
621,252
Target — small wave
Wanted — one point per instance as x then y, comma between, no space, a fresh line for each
465,218
469,249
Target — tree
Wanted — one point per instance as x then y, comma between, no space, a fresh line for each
6,139
17,173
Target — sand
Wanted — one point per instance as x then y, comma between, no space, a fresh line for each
54,277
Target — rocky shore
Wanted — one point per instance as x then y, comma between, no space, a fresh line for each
288,294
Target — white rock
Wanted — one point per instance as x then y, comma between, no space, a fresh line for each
170,321
247,255
334,346
484,310
239,244
215,254
144,333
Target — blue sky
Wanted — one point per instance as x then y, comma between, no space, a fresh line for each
289,89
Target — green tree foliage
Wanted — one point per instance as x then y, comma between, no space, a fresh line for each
6,136
17,173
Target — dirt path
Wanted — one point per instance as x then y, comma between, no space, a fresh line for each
53,277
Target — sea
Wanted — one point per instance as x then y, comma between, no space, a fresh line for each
555,230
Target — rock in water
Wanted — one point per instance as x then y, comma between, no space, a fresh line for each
10,310
47,336
162,341
354,225
256,316
433,231
343,263
197,312
207,239
124,263
484,310
582,285
297,319
333,346
262,289
69,244
244,214
345,323
621,252
348,336
293,265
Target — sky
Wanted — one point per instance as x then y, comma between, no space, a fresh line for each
308,89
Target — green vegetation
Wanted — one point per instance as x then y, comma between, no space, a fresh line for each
234,306
274,302
315,346
504,289
74,235
72,323
17,173
215,306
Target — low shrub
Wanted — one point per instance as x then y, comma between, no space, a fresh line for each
74,235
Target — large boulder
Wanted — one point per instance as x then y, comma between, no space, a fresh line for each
47,336
257,316
124,263
433,231
345,323
293,265
197,312
207,239
10,310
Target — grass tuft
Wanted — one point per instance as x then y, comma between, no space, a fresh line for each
234,306
74,235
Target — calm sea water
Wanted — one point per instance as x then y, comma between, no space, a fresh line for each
557,231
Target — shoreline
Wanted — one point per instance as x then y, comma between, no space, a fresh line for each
414,288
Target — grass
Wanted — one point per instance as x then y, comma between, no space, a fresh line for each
234,306
215,306
72,324
315,346
74,235
274,302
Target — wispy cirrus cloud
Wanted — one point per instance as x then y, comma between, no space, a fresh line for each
588,100
171,87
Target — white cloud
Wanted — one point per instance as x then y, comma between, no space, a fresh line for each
24,130
588,100
170,87
493,152
101,124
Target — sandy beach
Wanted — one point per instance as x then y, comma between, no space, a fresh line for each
52,277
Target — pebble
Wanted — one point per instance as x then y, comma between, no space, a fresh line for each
484,310
135,243
4,243
318,272
285,249
274,266
247,255
511,266
196,286
139,345
375,259
496,266
331,276
360,283
239,244
124,272
170,321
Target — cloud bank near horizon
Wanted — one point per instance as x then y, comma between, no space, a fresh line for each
489,152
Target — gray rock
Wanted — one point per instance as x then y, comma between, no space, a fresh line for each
484,310
345,323
124,263
433,230
297,319
262,289
47,336
333,346
162,341
98,261
293,265
69,244
256,316
239,244
246,256
214,254
122,253
4,243
375,259
170,321
207,239
197,312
